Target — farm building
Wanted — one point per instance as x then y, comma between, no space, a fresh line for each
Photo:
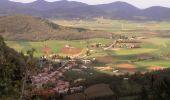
128,41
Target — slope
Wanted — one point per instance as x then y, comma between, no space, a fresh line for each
22,27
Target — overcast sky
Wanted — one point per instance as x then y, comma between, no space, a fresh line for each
137,3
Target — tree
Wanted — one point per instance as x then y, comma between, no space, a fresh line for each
11,68
87,52
28,67
143,95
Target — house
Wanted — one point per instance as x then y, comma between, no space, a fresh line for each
67,46
139,38
79,80
115,71
76,89
134,46
83,67
125,79
96,45
86,61
56,58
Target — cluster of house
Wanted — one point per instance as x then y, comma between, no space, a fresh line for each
97,45
127,43
55,77
52,77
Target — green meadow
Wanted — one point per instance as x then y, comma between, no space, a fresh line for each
122,55
55,45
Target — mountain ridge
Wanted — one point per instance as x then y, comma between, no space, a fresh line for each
72,9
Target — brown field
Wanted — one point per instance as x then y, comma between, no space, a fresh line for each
78,96
45,93
98,90
71,51
105,59
127,68
155,68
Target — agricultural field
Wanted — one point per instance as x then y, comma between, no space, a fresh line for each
55,45
118,26
153,53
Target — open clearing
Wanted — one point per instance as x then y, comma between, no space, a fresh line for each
71,51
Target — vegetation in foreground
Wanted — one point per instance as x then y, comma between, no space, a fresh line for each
14,71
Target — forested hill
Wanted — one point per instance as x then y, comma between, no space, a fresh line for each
13,69
22,27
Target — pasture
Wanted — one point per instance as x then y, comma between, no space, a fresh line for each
118,26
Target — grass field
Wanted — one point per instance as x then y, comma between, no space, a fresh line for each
55,45
115,25
120,56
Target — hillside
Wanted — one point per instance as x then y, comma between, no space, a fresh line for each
11,72
23,27
76,10
14,72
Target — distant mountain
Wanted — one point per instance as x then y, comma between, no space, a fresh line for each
119,10
156,13
44,5
72,9
23,27
84,12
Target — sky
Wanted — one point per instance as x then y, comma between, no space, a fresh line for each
137,3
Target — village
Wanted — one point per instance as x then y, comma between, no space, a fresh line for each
51,79
84,50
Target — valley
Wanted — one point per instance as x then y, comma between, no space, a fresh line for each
151,51
71,50
75,68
